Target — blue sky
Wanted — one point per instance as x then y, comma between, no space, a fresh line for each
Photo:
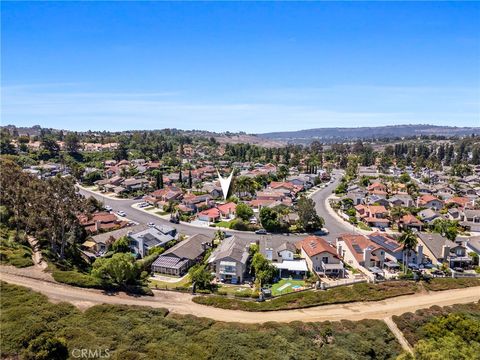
253,67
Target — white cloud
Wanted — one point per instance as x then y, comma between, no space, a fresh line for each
260,111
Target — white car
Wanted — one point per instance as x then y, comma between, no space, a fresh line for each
121,213
108,208
151,224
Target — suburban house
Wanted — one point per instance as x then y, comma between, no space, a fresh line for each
394,251
377,188
100,222
373,215
179,258
228,210
408,221
321,256
282,253
229,260
270,195
470,219
460,201
362,253
473,244
142,242
430,201
357,196
210,215
428,215
442,250
401,200
99,244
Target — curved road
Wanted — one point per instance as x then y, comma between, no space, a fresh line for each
181,303
333,224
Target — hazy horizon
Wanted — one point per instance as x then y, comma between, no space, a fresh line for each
253,67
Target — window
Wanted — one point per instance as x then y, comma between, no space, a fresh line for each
325,259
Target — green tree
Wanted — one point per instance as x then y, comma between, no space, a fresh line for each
447,228
72,142
282,172
50,147
265,272
90,178
397,212
244,211
119,270
269,219
404,178
121,245
201,277
6,146
409,242
308,218
47,347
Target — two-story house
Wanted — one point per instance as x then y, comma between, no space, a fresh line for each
229,260
321,256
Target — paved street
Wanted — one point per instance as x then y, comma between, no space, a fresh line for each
143,217
334,225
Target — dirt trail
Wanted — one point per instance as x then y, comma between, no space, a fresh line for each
398,334
37,256
182,303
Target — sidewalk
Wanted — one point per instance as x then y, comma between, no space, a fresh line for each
356,228
99,193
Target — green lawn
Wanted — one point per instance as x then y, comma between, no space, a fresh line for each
224,224
284,288
239,291
363,226
161,213
182,283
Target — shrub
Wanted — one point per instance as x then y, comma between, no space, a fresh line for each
132,332
356,292
437,284
76,278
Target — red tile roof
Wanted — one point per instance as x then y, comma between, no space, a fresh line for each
314,245
228,208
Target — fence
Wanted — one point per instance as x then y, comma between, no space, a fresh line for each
456,275
342,282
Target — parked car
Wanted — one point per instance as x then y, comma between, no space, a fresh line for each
108,208
458,269
261,232
121,213
151,224
323,231
437,273
413,266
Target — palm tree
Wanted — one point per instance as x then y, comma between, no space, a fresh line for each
397,212
409,241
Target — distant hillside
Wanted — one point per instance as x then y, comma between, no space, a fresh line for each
335,134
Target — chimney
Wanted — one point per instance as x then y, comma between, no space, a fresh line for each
269,253
419,254
445,252
367,254
98,224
